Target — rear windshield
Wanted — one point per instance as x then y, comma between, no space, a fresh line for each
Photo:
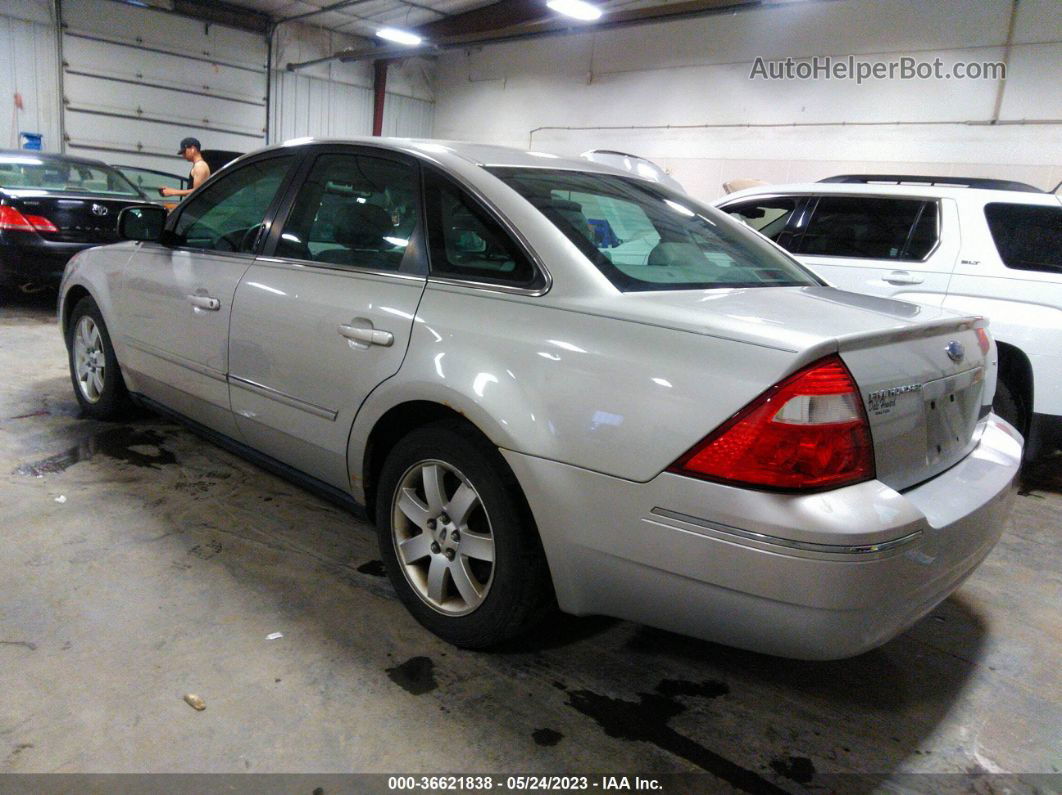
22,173
1028,236
644,237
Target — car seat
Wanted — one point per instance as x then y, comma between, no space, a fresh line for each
361,229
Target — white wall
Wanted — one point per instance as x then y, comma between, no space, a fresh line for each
680,93
334,99
29,66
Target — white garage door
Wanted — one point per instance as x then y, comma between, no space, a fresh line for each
136,81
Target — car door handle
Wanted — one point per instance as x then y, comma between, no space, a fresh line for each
204,302
367,336
903,277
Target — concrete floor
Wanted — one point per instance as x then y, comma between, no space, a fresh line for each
140,563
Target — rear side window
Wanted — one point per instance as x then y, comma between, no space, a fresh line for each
1027,236
767,216
466,243
871,228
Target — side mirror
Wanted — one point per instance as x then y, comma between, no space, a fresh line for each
143,222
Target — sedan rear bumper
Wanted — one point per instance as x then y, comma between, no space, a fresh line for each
819,576
39,262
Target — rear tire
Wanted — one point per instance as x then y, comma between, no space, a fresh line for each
491,583
94,371
1009,405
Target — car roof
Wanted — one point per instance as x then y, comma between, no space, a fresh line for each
32,154
878,189
484,155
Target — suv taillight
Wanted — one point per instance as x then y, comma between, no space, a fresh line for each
10,218
809,431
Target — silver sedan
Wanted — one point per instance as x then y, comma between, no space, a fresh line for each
552,384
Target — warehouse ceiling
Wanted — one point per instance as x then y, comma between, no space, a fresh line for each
444,24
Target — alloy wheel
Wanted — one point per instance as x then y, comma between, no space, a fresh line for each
443,537
89,359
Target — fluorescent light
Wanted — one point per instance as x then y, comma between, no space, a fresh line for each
575,8
399,36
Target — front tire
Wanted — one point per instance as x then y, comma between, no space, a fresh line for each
94,372
457,539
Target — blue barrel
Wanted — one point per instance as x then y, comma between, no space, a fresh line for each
31,140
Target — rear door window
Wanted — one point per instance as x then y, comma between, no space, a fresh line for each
354,211
871,228
1027,236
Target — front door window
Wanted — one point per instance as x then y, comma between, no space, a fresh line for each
227,215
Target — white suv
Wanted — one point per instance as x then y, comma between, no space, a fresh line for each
988,247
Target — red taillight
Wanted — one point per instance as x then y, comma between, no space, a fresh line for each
41,224
809,431
10,218
983,341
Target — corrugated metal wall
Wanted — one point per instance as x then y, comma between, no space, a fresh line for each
334,99
28,67
408,117
312,106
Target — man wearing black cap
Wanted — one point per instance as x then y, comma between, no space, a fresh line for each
200,170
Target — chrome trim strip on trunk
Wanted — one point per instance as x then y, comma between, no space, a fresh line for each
806,546
174,359
281,397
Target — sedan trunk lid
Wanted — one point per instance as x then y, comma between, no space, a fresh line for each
78,218
921,370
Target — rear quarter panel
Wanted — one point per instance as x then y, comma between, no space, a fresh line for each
618,397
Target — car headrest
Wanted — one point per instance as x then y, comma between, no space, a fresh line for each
570,211
561,205
675,254
362,226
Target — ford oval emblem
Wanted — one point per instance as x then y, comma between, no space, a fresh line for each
99,209
956,352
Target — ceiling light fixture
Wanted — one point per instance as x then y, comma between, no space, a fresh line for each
575,8
399,36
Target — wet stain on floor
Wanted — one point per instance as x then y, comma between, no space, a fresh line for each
680,687
23,643
206,551
547,737
646,720
416,675
374,568
795,768
38,413
142,448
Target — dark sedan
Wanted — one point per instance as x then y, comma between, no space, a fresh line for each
51,207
